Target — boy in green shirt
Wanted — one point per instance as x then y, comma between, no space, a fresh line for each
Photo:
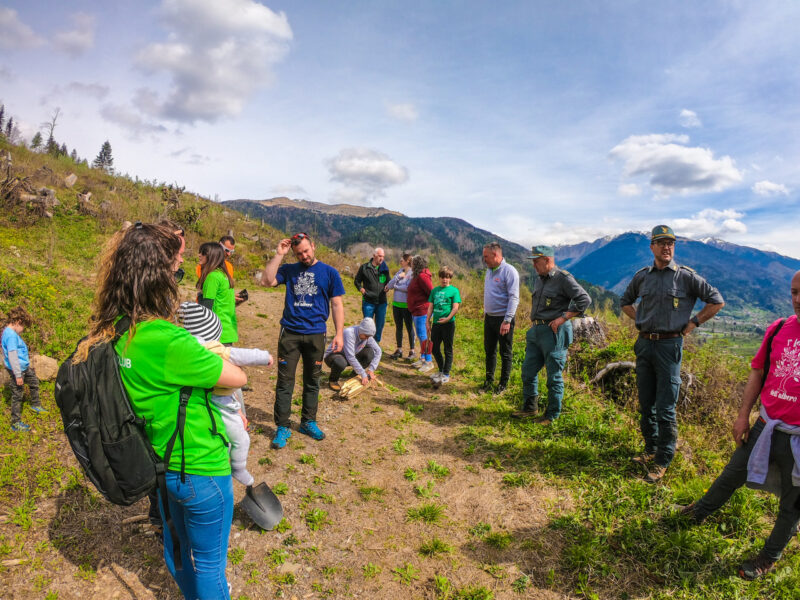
445,300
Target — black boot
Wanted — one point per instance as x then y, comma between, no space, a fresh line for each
530,408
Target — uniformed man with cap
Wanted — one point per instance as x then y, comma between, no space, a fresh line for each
557,297
668,293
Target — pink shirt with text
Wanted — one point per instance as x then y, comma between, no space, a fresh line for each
780,395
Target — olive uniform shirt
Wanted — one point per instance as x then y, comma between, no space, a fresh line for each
555,293
668,297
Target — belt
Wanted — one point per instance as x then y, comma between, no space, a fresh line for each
540,322
659,336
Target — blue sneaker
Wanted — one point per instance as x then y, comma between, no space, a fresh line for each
311,429
40,410
281,437
20,426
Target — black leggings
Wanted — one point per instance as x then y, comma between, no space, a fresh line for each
402,316
443,332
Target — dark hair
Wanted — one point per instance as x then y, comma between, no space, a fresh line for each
172,226
227,238
215,259
494,247
418,264
135,279
407,256
446,272
19,315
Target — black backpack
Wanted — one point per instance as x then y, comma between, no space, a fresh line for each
106,436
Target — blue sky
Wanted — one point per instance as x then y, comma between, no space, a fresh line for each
540,121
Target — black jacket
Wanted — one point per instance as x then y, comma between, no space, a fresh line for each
373,280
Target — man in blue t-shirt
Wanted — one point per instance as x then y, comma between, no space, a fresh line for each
312,288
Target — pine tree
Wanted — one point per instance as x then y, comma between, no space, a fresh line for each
2,117
63,150
104,159
74,155
9,127
36,142
52,146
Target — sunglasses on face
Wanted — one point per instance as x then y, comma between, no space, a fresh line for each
665,243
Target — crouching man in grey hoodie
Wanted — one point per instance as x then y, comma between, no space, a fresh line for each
360,351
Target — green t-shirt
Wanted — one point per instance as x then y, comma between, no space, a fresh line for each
216,287
161,359
443,299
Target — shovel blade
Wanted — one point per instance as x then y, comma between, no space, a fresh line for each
262,506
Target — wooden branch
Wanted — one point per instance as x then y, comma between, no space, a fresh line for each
612,367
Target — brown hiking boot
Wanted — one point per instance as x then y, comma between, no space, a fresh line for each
656,474
335,386
642,459
530,409
544,421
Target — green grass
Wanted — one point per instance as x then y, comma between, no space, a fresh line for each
406,574
435,547
427,513
437,470
316,518
371,493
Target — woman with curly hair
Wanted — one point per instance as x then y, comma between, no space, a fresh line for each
157,358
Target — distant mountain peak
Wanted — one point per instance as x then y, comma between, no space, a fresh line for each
335,209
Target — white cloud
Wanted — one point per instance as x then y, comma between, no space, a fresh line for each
190,158
670,166
688,118
629,189
78,40
365,175
768,188
710,222
403,112
93,90
129,120
14,34
289,191
218,54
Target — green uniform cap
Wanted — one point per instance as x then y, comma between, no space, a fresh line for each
661,232
539,251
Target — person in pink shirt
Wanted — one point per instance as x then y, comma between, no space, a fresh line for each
771,443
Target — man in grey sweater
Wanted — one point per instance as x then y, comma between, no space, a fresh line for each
500,301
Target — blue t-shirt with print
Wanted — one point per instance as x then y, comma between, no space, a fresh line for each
308,294
12,341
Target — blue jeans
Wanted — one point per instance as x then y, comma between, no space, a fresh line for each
421,327
543,348
202,509
377,312
658,377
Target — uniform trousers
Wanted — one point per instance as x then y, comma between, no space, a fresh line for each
658,378
544,348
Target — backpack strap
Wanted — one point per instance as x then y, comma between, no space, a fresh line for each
161,469
214,430
769,351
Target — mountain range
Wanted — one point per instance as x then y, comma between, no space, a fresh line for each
754,283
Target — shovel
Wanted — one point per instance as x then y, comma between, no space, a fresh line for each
262,506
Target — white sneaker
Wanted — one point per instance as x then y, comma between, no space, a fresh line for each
428,366
418,363
444,378
436,377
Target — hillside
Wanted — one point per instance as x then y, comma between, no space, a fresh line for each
450,240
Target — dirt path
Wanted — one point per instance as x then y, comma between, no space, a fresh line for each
355,482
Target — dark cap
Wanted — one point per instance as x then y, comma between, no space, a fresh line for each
662,232
539,251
